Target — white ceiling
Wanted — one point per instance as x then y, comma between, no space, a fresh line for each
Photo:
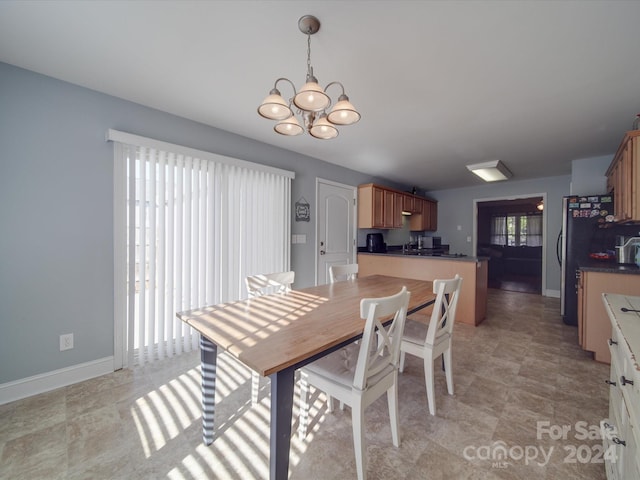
439,84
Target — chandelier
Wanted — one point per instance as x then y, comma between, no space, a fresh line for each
311,102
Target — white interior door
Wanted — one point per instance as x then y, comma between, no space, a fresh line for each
336,217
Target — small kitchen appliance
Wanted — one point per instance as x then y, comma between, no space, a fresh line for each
430,242
626,249
375,243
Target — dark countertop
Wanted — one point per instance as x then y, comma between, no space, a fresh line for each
610,267
426,256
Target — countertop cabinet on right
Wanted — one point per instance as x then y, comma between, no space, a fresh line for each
621,430
594,326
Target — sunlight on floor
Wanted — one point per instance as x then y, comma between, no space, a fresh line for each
174,409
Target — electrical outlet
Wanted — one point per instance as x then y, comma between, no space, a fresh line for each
66,341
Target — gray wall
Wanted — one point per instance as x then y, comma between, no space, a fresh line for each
588,175
56,214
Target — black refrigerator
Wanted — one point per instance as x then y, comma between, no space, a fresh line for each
583,219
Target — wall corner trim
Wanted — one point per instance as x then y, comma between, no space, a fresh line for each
46,382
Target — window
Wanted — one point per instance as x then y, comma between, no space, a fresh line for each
189,226
517,230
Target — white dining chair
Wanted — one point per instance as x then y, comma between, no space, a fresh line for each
429,341
338,273
343,272
265,284
360,373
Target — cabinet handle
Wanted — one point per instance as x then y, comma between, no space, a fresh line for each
624,381
612,342
613,384
617,441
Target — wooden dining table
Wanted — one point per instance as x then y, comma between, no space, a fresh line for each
276,334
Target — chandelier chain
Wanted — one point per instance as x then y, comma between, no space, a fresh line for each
309,68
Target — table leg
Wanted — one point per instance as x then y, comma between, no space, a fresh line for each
208,363
282,384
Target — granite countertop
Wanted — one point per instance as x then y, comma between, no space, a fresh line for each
455,257
610,267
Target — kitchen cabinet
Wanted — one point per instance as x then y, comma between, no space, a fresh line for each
621,431
427,219
382,207
408,203
594,327
375,207
623,178
398,199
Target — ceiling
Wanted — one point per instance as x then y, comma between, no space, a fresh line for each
439,84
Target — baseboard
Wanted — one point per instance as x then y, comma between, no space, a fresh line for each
46,382
552,293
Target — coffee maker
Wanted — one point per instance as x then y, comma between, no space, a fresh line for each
375,243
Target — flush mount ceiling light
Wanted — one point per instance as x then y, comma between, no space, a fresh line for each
540,205
491,171
311,102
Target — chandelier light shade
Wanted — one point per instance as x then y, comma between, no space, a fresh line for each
274,107
289,126
492,171
311,102
322,128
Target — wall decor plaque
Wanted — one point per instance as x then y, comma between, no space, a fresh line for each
303,210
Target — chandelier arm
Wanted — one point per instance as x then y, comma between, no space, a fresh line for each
335,83
275,85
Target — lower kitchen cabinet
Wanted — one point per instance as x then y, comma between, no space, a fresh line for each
620,431
594,327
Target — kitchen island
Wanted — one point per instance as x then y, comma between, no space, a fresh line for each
472,306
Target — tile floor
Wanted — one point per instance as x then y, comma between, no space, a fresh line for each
519,377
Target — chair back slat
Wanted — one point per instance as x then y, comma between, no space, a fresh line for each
268,283
343,272
444,309
380,345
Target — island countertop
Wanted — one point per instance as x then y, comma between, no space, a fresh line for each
429,256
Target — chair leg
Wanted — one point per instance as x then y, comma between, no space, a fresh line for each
255,387
392,400
357,420
402,354
448,370
429,381
304,407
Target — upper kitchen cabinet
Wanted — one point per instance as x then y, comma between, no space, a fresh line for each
376,207
623,178
426,217
382,207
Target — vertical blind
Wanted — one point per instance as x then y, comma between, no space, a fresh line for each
190,226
